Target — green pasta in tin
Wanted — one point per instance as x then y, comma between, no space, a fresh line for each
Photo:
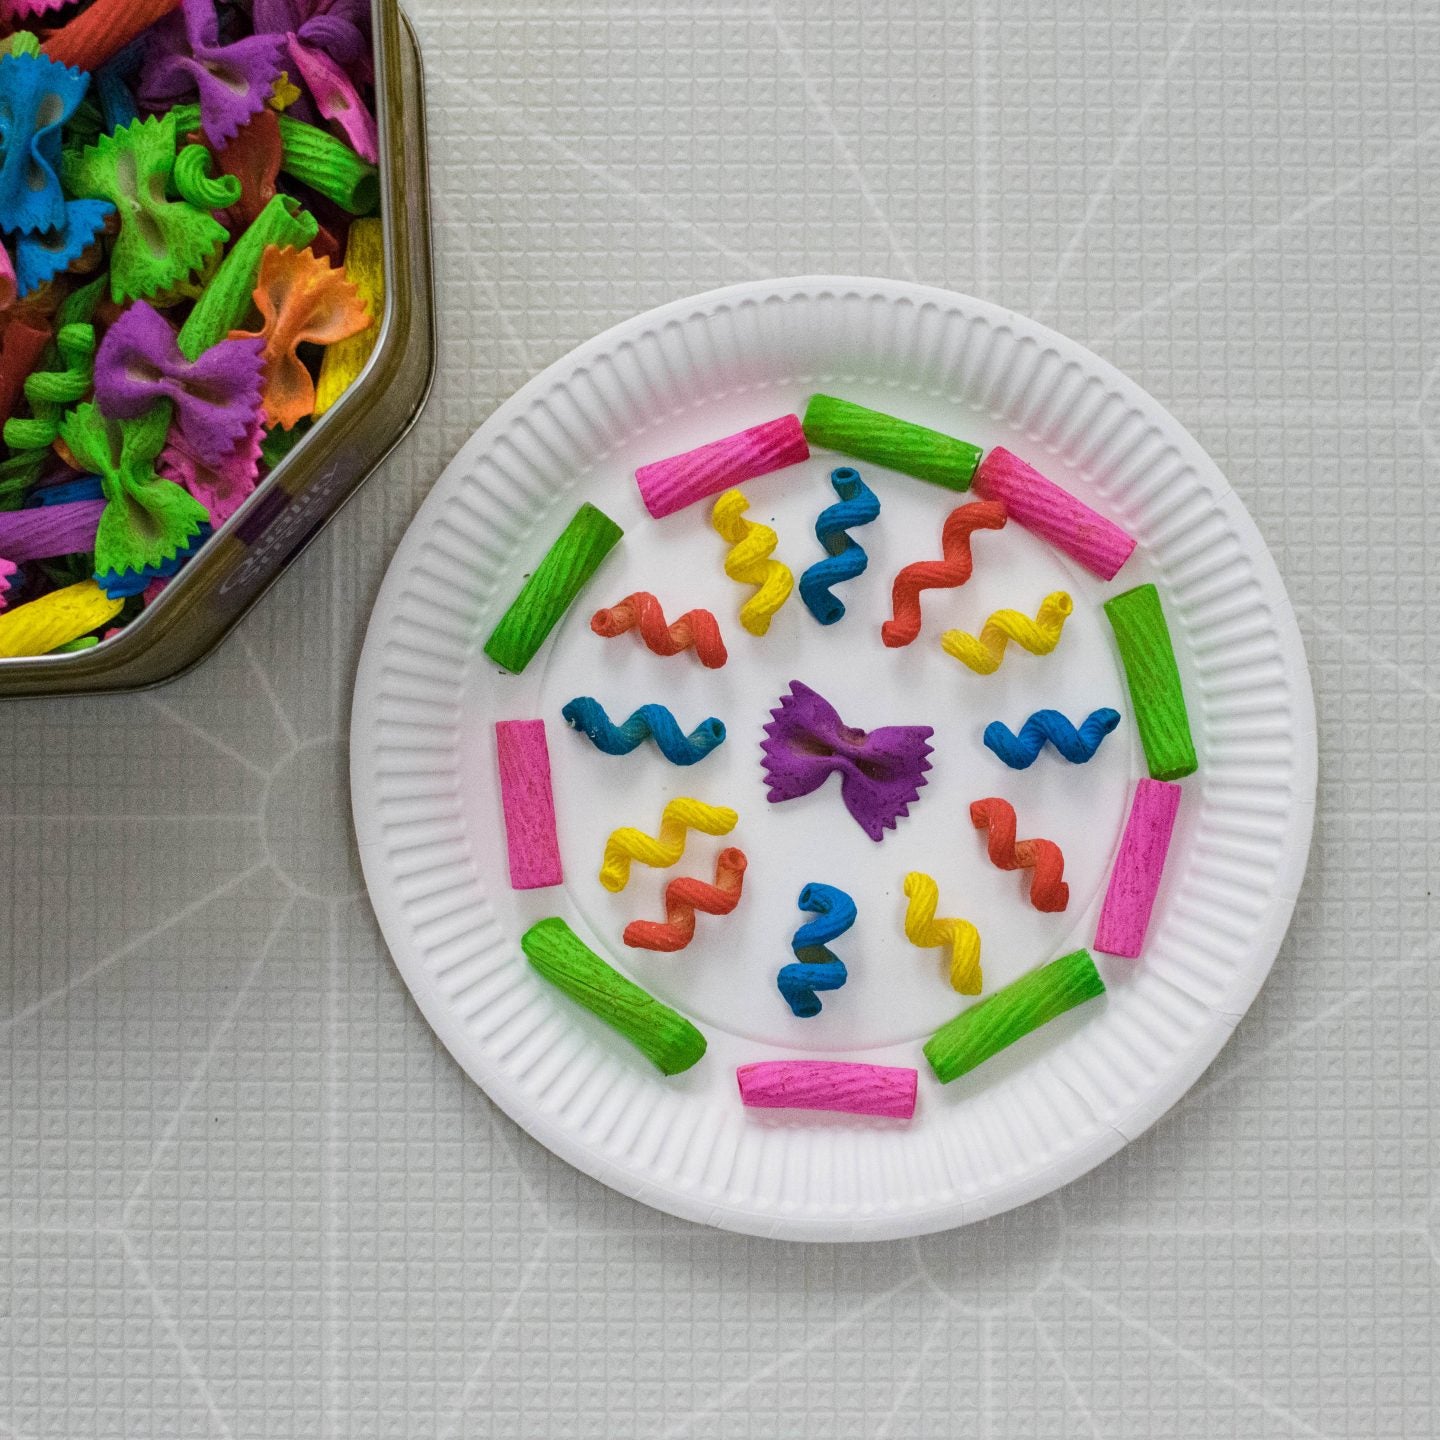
983,1031
1154,680
547,594
885,440
663,1036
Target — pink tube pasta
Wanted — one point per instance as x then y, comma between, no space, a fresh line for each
1135,880
528,803
670,485
829,1085
1053,514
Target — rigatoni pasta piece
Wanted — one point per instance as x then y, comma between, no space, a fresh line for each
528,803
883,439
556,581
1156,695
1139,865
667,1039
834,1085
977,1034
670,485
1053,514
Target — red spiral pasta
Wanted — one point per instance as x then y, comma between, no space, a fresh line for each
1048,890
683,897
953,570
697,629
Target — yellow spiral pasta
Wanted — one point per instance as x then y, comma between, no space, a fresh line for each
983,652
627,844
749,562
960,936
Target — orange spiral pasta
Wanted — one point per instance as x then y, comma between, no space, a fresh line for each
1048,890
955,569
683,897
695,629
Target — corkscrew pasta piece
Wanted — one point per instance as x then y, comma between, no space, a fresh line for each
954,570
984,652
680,816
695,629
960,937
845,559
1077,746
528,803
1053,514
884,440
670,485
683,897
553,585
1154,680
649,722
816,967
667,1039
984,1030
834,1085
881,771
749,562
1048,890
1139,865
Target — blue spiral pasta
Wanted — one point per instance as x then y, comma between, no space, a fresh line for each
844,559
816,966
649,722
1020,751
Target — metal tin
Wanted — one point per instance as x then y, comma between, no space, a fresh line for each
247,554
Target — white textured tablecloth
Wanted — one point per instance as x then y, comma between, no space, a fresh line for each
242,1190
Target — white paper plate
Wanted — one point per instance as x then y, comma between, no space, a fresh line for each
427,812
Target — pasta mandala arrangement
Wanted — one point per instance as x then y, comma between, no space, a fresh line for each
882,771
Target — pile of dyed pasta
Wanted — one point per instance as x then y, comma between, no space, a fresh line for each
882,771
190,272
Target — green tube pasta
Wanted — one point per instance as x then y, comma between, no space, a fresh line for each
977,1034
1154,680
667,1039
548,593
225,301
884,440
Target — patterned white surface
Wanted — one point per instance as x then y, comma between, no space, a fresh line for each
244,1191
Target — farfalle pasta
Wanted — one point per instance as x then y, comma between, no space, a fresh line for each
216,397
161,241
233,80
881,771
149,524
301,298
38,96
